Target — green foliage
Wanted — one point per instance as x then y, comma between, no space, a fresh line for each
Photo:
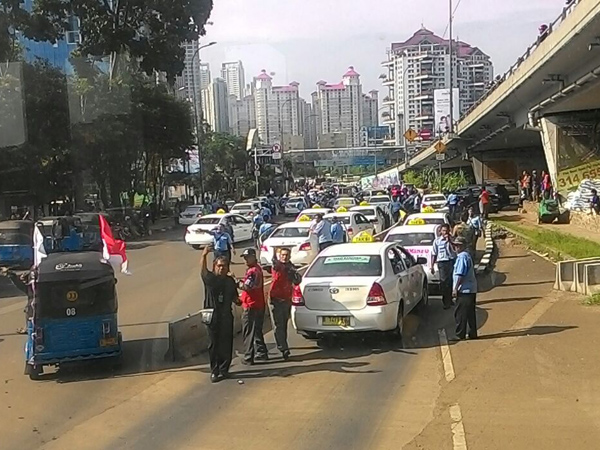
429,178
593,300
149,32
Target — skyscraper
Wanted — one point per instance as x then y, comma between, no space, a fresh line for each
242,115
205,77
370,109
233,74
340,108
278,112
215,105
419,66
188,84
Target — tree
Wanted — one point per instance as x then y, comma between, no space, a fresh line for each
150,32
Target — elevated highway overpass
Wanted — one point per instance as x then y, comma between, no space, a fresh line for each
543,113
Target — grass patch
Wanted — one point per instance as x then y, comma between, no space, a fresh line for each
561,245
593,300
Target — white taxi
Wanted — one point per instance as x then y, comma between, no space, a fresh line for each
345,202
248,209
190,215
358,287
296,236
294,205
418,241
437,218
311,213
353,222
436,201
197,235
374,214
381,200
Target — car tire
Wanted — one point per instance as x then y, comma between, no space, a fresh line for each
310,335
34,372
196,247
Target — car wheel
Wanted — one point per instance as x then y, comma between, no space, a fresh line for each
34,372
424,301
196,247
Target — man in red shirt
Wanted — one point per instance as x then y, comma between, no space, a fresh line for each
484,202
285,276
253,304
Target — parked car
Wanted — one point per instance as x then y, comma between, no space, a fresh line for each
247,209
197,235
358,288
296,236
190,214
353,222
436,201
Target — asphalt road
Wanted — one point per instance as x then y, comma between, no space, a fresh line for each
359,392
328,394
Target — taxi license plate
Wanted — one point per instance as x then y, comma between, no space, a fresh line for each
336,321
108,342
199,231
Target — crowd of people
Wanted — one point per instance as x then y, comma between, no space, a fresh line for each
534,187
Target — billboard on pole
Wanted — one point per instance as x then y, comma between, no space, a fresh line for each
441,104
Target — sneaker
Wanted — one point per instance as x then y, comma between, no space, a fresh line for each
214,378
286,355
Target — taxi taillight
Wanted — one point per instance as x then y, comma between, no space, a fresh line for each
305,247
263,248
297,297
376,296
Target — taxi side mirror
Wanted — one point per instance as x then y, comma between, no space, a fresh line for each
421,260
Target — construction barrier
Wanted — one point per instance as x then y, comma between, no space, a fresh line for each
578,285
570,274
591,279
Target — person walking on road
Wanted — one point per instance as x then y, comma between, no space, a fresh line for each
464,230
395,208
443,253
476,224
484,202
253,303
322,229
285,276
453,205
465,292
337,231
222,242
220,292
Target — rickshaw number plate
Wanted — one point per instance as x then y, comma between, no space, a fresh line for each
108,342
72,296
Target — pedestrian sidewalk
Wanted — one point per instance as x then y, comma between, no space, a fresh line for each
528,217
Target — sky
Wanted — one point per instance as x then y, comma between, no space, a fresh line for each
311,40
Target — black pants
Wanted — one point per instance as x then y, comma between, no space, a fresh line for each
324,245
396,216
220,342
445,268
252,331
281,310
452,211
465,316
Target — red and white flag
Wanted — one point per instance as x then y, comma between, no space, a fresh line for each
39,252
113,250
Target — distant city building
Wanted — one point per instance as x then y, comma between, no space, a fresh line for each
242,115
419,66
310,125
278,111
340,109
215,104
205,77
370,109
188,85
234,76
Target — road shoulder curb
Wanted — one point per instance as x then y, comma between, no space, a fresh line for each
486,260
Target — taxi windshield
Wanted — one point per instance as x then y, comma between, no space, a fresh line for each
343,219
346,266
241,207
412,239
345,201
290,232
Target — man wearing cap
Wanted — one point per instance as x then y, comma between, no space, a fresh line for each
253,304
322,229
443,253
465,291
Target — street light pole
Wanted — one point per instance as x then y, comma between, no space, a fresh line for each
198,117
450,52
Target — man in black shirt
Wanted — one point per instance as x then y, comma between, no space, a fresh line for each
220,292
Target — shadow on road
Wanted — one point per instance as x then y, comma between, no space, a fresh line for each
539,330
290,370
508,300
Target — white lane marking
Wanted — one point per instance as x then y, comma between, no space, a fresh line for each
446,356
459,439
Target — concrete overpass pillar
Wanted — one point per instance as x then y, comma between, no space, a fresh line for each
478,169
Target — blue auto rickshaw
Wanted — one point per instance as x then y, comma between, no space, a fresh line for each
73,312
16,244
62,233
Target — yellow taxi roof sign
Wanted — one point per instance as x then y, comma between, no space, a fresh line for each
363,237
304,218
428,209
221,211
364,203
341,209
317,207
416,221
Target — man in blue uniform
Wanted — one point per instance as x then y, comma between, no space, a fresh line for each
465,292
222,242
337,231
443,253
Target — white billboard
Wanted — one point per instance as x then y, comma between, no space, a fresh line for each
441,104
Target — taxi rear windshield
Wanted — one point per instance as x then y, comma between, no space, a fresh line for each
241,207
345,220
208,221
14,237
290,233
346,266
412,239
